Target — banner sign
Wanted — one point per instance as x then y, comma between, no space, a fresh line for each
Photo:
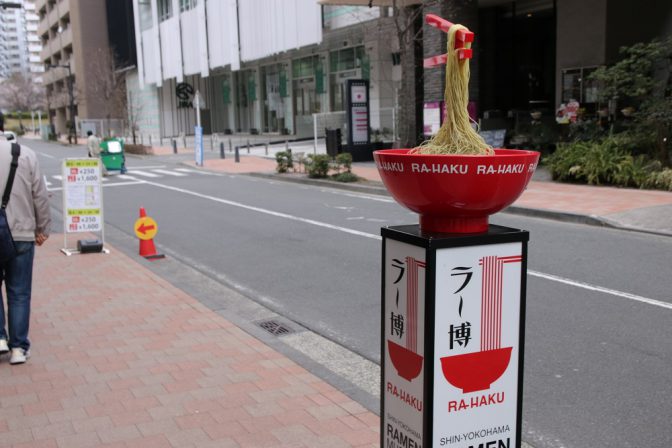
82,195
198,145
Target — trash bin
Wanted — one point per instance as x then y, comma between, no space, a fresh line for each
333,141
112,154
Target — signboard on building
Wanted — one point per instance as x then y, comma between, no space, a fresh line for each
432,117
358,119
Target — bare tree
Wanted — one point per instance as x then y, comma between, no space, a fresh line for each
20,93
407,16
133,113
108,85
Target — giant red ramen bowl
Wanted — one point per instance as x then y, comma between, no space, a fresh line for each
455,193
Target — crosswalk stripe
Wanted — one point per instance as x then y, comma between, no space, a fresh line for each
188,170
170,173
145,174
58,177
126,177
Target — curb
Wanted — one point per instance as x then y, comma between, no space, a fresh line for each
377,188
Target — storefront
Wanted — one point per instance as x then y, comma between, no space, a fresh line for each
309,92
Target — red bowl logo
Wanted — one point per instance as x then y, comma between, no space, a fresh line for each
476,371
407,363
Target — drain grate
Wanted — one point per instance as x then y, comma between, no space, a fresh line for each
275,328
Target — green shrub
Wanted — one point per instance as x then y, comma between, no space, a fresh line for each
600,163
661,180
344,160
284,161
345,177
318,166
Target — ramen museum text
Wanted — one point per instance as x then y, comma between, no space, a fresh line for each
457,168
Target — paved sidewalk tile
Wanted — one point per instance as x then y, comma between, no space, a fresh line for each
120,357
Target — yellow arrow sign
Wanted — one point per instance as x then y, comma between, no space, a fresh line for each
145,228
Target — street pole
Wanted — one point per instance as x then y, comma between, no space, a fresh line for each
72,102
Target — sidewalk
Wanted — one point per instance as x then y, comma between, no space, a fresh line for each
121,358
641,210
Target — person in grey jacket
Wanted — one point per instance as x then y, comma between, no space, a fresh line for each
29,220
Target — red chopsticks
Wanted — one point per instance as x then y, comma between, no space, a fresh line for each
463,40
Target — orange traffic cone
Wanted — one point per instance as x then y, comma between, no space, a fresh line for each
145,229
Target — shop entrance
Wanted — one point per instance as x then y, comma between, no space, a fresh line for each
274,107
517,56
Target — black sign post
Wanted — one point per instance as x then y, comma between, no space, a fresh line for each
357,96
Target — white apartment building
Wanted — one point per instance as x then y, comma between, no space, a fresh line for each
19,44
262,66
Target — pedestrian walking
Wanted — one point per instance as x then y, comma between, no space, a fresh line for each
93,143
26,204
2,122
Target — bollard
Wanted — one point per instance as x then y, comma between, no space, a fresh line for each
286,145
174,146
212,143
248,146
221,150
230,147
150,139
266,148
237,155
184,140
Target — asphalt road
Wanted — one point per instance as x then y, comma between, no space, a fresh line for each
598,355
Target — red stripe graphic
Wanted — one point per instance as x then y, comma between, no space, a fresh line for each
491,299
412,266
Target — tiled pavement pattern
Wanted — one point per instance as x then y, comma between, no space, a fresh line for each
121,358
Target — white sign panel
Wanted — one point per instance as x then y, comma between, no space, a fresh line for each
198,143
82,195
476,347
403,345
360,124
358,94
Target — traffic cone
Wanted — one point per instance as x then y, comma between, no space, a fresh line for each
147,248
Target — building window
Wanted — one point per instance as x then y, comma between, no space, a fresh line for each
186,5
577,86
165,9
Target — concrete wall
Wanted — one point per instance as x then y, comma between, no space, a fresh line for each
89,35
581,36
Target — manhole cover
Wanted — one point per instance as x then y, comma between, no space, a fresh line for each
274,327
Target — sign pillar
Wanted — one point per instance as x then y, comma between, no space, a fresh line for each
198,130
358,112
452,338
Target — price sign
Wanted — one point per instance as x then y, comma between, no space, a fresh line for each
82,195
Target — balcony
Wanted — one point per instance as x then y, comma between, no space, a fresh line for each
66,37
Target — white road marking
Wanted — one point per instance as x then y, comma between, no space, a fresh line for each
126,177
46,155
151,167
267,212
144,173
325,225
118,184
169,173
205,173
46,182
58,177
613,292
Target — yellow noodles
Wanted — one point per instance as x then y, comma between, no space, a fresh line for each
456,136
